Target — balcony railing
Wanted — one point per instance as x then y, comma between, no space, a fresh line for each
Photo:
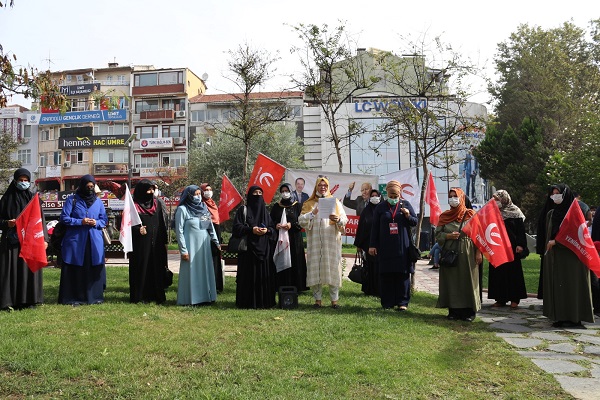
157,115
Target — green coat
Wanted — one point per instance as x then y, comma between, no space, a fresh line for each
459,285
567,290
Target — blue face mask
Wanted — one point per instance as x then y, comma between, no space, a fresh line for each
393,201
23,185
197,199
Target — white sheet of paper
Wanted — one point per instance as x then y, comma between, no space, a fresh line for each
326,207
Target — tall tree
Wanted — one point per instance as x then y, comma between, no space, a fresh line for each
550,76
332,72
433,115
248,116
8,164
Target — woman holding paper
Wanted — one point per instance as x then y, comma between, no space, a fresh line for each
567,291
19,287
324,220
293,274
148,261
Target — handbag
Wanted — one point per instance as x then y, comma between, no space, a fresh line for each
106,237
448,257
167,277
238,244
357,272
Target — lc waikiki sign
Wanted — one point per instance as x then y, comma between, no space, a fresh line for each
77,117
369,106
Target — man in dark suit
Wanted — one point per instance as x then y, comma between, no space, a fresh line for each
361,201
299,194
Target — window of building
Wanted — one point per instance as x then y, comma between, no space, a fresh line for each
173,131
78,104
111,156
145,132
212,115
174,159
146,162
145,79
170,78
43,159
146,105
27,132
24,156
77,156
57,156
111,129
362,157
47,134
173,104
197,116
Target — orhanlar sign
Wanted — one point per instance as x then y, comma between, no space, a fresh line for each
87,142
111,169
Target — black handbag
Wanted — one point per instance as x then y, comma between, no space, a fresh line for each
238,244
357,272
449,257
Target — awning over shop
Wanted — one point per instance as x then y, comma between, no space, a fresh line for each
56,179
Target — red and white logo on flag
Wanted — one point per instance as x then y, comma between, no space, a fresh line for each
574,234
431,198
229,198
486,229
267,174
31,235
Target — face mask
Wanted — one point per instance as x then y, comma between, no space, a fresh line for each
557,198
208,194
453,201
23,185
155,192
197,199
499,204
91,191
375,200
286,195
393,201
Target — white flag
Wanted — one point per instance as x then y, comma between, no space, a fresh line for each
282,256
411,191
130,217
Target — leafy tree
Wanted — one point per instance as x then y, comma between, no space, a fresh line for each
515,160
8,164
248,117
332,73
27,81
550,76
430,117
225,155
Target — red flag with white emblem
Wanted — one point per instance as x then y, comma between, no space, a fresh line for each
229,198
486,229
574,235
30,231
431,198
267,174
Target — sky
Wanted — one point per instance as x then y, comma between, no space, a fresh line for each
198,34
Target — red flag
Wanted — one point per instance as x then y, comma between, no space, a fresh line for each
267,174
574,234
30,231
229,198
431,198
486,229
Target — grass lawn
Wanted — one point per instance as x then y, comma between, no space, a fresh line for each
119,350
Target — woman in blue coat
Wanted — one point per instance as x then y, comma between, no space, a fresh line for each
390,241
194,230
83,273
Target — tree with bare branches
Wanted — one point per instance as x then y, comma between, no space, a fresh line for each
333,71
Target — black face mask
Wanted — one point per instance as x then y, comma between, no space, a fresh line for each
91,191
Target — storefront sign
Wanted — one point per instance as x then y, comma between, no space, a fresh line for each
156,143
77,117
86,142
109,141
110,169
53,171
370,106
79,90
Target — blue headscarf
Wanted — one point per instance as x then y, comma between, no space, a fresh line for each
194,206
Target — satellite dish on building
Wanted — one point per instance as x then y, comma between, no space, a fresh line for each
204,76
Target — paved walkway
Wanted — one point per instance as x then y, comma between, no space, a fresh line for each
572,356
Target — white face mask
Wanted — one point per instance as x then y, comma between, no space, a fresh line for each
286,195
499,204
557,198
155,192
208,194
375,200
453,201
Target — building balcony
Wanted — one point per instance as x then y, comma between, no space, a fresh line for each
177,88
157,115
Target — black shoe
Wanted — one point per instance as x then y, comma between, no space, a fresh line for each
451,317
469,319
